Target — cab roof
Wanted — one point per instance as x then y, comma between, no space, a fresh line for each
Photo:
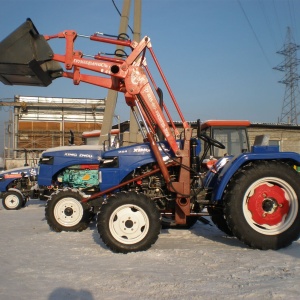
225,123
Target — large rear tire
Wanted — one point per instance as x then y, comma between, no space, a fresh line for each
262,204
12,200
220,221
65,212
129,222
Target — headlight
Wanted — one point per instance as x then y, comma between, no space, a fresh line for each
47,160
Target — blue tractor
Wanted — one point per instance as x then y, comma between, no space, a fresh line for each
17,186
254,196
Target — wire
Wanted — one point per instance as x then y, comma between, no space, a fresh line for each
255,35
278,22
120,14
292,15
6,109
263,8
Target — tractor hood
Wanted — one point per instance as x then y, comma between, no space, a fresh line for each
56,159
74,151
71,155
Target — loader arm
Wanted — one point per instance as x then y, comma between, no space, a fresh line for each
131,76
127,76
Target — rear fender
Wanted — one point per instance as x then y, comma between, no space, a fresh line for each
17,191
218,181
4,184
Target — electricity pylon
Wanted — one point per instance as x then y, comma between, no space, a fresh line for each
289,113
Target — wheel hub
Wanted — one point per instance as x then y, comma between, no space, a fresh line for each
12,201
129,223
68,211
268,205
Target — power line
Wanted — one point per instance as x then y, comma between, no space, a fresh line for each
255,35
263,8
120,14
292,15
278,21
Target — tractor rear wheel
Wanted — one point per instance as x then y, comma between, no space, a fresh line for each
65,212
262,204
12,200
128,222
220,221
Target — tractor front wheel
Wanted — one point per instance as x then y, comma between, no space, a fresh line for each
128,222
12,200
65,212
262,204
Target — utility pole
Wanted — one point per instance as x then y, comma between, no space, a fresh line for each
289,112
112,96
133,126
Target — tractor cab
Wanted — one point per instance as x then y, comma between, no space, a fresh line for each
231,133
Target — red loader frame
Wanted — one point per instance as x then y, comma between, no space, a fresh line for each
132,77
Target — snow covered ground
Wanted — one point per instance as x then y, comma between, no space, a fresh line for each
201,263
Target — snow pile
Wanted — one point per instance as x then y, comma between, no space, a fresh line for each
184,264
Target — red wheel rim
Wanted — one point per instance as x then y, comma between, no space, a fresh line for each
268,205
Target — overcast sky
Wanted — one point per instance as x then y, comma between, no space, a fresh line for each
218,55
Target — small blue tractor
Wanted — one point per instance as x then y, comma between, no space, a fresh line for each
17,186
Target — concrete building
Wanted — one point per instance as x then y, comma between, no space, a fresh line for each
286,136
39,123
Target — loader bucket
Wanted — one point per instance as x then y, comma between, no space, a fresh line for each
25,58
